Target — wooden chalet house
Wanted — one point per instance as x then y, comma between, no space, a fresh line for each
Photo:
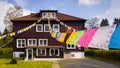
37,42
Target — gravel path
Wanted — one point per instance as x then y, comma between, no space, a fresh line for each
55,64
87,63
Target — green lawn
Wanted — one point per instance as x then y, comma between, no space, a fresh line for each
4,63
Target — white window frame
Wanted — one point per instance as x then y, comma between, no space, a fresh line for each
43,42
48,27
21,45
37,51
54,51
32,39
71,46
55,29
41,27
43,13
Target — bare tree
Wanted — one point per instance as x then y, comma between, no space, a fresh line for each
94,22
12,13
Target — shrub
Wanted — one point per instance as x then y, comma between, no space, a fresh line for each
110,54
6,53
0,52
13,61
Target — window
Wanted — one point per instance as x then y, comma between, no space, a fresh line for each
56,27
41,52
48,14
21,43
54,52
46,28
32,42
39,28
71,46
43,42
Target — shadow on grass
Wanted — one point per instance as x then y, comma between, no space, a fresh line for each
9,64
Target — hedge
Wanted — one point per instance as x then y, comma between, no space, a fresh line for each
6,53
106,54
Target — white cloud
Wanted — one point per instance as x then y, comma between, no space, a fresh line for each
26,12
89,2
113,11
3,12
21,2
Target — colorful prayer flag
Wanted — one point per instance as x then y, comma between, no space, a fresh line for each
77,37
102,37
73,34
86,38
115,41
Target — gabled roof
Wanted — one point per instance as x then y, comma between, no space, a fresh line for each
35,17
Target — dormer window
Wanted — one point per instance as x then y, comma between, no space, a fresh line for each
48,13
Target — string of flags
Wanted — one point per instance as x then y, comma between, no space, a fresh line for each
65,25
102,37
19,31
26,29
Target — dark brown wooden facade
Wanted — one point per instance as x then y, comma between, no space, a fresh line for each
25,21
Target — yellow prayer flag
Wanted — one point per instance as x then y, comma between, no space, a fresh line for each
69,28
50,31
0,37
34,24
63,37
61,23
54,35
71,37
25,29
12,34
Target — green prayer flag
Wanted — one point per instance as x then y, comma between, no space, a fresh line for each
77,37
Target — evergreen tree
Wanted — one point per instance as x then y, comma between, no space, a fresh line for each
115,21
104,23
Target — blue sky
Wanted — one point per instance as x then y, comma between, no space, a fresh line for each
72,7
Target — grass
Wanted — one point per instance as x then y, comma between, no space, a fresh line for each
6,57
4,63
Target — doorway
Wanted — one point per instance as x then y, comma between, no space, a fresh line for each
30,54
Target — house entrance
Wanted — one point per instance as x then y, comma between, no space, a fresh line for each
30,55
